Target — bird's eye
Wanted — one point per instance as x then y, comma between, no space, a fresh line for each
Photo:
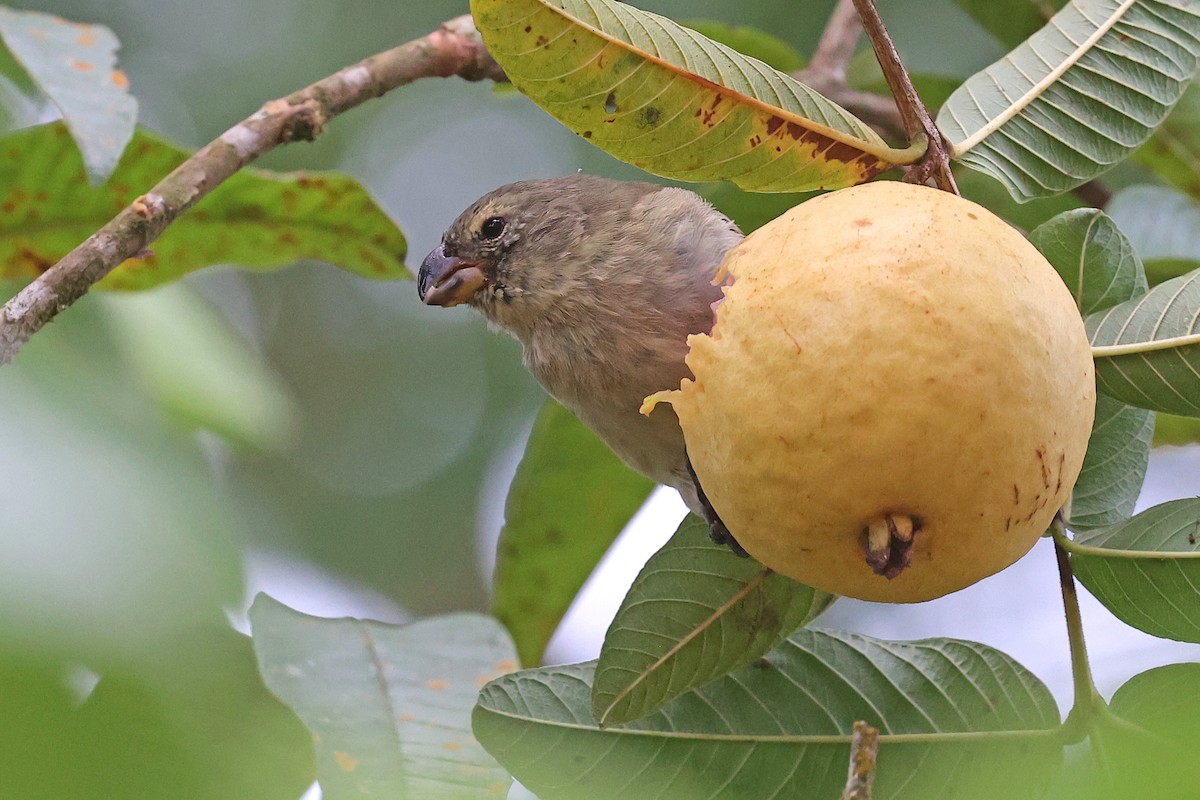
492,228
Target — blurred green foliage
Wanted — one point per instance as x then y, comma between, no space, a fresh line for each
354,430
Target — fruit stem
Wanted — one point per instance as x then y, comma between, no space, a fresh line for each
1087,699
917,121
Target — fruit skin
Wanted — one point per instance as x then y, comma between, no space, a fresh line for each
888,348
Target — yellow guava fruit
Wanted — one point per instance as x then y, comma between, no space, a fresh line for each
896,396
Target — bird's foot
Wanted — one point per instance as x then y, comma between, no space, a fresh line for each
716,528
721,535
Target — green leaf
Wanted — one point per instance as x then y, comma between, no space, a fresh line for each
12,73
991,194
694,613
1011,22
1164,227
39,709
1094,258
1146,570
193,716
1146,351
1173,152
1142,745
388,705
1114,466
771,50
1170,429
1078,96
21,105
119,533
675,103
201,373
1164,702
1100,267
750,210
256,219
569,500
199,720
780,728
76,66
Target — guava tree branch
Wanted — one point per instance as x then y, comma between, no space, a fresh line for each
917,121
455,48
826,73
864,751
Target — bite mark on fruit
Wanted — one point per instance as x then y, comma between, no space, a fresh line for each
889,543
714,305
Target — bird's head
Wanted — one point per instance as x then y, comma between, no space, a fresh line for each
470,263
526,248
582,255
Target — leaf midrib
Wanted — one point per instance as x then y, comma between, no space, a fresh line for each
798,739
674,650
958,149
189,221
888,154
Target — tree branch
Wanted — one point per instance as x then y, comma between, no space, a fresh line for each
826,73
864,749
455,48
838,42
917,122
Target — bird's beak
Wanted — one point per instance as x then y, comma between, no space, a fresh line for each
448,280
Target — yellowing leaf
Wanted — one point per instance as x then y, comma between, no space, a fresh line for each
256,219
673,102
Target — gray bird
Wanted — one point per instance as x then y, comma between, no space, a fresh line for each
601,281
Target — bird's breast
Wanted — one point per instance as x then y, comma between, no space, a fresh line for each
604,384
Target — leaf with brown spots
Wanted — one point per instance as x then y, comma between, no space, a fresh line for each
76,66
257,219
389,706
676,103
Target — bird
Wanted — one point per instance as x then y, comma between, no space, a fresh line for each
601,281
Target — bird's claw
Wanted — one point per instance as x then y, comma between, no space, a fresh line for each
721,535
717,531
